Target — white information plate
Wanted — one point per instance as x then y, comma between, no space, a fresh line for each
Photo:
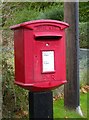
48,61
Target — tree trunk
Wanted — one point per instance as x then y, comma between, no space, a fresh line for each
71,89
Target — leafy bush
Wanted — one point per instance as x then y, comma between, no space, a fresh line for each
53,12
31,11
21,16
83,35
84,11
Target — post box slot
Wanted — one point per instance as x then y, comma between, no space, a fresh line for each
43,36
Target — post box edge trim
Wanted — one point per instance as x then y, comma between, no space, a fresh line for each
39,21
43,86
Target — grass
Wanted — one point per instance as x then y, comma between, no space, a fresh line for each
84,103
61,112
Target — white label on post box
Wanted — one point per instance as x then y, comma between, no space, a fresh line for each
48,61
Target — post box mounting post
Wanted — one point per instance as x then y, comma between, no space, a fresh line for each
40,105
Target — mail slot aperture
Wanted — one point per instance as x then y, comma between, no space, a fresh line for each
45,36
48,37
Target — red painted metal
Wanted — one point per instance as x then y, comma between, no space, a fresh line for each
31,39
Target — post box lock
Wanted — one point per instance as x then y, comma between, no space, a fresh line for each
40,54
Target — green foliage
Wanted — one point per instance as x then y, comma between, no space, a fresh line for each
22,12
53,12
14,13
84,11
7,86
83,34
23,16
19,14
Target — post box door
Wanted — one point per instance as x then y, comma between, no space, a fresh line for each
49,57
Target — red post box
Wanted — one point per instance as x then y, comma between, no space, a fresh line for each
40,58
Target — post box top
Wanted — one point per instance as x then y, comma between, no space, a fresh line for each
29,24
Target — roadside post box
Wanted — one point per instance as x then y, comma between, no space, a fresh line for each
40,54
